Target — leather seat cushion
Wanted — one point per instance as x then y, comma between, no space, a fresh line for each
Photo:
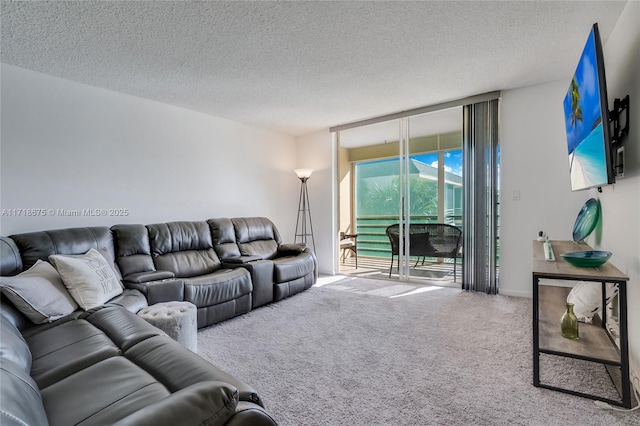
70,401
160,357
65,349
289,268
130,299
122,327
219,287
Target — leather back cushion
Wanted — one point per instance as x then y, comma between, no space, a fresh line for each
132,248
184,248
74,241
11,313
224,238
10,260
256,236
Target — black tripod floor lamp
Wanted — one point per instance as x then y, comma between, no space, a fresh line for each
304,227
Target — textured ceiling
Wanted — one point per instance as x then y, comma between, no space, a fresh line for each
298,67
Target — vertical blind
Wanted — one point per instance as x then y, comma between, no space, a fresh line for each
480,207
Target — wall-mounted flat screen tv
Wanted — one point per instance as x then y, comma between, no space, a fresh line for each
587,120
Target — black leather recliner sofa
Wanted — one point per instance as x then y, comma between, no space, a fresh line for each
277,270
108,366
225,267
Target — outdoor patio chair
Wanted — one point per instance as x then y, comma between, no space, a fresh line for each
349,242
428,240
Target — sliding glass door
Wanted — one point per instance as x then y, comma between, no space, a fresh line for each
393,177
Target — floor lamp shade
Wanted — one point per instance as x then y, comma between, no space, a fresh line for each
304,173
304,226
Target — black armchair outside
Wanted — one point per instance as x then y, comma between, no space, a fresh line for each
428,240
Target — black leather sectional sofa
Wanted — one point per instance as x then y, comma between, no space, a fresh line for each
106,365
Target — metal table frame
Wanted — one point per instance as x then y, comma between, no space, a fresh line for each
623,350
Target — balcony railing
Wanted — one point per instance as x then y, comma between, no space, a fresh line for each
372,239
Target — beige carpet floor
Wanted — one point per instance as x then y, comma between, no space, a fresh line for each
356,351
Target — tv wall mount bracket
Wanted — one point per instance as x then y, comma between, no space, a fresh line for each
619,106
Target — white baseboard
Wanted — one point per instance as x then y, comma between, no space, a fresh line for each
516,293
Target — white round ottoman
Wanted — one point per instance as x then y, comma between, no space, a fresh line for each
177,319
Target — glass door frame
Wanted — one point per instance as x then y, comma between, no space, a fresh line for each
404,196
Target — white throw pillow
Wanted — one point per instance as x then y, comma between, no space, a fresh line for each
39,293
586,298
88,277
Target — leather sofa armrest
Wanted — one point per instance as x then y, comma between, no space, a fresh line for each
250,414
291,249
168,290
143,277
241,259
261,272
316,273
208,402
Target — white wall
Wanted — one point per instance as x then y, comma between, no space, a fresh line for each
621,202
534,160
316,151
66,145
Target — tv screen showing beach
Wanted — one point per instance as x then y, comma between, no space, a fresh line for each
583,120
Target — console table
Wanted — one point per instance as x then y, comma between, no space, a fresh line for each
595,343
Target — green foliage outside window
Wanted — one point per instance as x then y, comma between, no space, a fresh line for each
382,199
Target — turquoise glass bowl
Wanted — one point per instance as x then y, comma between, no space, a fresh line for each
587,220
587,259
